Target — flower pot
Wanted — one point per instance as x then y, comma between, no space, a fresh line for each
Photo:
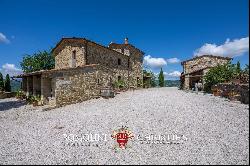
216,93
35,103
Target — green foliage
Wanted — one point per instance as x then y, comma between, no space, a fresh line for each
32,98
246,69
161,79
20,95
120,84
220,74
149,73
1,82
238,69
7,86
42,60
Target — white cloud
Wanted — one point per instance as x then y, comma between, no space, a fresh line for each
233,48
154,62
3,38
172,74
173,60
10,69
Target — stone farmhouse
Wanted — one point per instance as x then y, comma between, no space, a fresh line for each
194,69
82,68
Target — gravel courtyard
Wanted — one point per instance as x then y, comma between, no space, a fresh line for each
216,131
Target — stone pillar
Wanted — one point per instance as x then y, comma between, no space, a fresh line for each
24,84
36,85
29,86
45,89
186,82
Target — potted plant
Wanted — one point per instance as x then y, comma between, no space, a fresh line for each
20,95
216,91
233,96
36,101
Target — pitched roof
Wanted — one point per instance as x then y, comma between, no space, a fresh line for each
116,45
54,70
211,56
87,40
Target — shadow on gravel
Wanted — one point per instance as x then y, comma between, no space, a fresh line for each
4,106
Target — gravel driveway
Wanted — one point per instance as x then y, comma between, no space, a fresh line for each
210,130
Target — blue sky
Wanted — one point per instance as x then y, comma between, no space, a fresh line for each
163,29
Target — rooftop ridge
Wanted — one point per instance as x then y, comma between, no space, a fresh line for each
212,56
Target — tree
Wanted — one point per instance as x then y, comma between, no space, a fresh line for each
219,74
1,82
238,69
161,79
246,69
152,81
7,86
42,60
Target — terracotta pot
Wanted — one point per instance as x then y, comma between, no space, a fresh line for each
35,103
216,93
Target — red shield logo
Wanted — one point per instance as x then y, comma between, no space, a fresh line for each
122,136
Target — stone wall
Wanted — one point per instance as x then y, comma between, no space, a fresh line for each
80,84
97,54
64,56
129,67
4,95
135,59
203,62
232,91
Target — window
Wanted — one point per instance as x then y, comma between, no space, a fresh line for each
138,81
74,54
126,52
119,78
119,61
98,81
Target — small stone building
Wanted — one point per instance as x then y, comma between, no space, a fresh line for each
194,69
82,68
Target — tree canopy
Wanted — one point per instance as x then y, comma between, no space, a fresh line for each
43,60
7,86
220,74
161,79
1,82
152,77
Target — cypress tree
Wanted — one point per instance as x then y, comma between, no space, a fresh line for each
238,69
1,82
161,79
7,86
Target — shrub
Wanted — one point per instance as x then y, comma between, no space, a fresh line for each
7,86
220,74
20,95
32,98
120,84
1,82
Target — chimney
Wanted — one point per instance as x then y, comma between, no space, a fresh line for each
126,40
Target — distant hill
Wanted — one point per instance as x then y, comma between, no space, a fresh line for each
15,85
170,83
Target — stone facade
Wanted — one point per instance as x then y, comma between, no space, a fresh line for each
240,91
194,69
82,68
80,84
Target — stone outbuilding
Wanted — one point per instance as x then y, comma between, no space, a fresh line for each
82,68
194,69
